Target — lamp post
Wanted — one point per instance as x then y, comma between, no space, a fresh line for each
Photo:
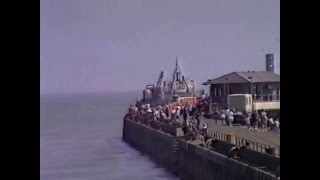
252,95
227,86
210,99
226,90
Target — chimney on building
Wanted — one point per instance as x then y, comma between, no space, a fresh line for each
270,63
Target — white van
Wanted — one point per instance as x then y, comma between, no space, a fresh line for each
243,103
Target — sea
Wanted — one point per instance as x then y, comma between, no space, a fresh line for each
81,139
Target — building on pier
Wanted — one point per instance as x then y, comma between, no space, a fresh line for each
264,85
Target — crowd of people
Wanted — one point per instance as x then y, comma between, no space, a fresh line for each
168,114
257,121
188,117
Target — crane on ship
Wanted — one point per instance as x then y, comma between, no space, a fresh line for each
165,91
158,93
154,92
178,83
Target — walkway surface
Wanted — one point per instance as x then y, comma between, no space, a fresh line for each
268,138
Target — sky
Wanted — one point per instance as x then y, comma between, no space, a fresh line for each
122,45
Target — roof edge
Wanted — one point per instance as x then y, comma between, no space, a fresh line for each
242,77
208,83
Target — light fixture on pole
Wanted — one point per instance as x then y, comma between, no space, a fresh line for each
227,86
210,99
252,95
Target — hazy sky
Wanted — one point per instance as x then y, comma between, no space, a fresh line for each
122,45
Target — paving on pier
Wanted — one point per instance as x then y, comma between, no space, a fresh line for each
268,138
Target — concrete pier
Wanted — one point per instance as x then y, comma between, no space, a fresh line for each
266,142
192,162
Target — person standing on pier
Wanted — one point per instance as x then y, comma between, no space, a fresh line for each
167,112
230,118
149,114
215,116
223,117
173,114
156,114
271,123
277,124
185,114
178,113
264,121
192,112
198,114
259,117
247,120
204,129
227,112
254,121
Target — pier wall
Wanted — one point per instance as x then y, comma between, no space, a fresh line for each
186,160
250,156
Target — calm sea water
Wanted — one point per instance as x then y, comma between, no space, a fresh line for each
81,139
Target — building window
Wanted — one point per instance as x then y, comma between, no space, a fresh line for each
278,93
225,89
215,92
248,101
220,92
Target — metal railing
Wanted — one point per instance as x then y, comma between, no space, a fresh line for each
239,141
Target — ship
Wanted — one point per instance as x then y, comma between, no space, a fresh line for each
177,89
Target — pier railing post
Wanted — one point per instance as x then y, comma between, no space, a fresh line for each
231,138
271,151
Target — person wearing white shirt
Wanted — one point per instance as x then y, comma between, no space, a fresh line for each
173,113
223,117
277,123
156,114
227,112
264,120
271,123
247,119
230,118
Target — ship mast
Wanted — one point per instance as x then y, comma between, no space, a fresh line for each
178,78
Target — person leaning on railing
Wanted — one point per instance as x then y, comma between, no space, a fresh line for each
235,151
211,143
